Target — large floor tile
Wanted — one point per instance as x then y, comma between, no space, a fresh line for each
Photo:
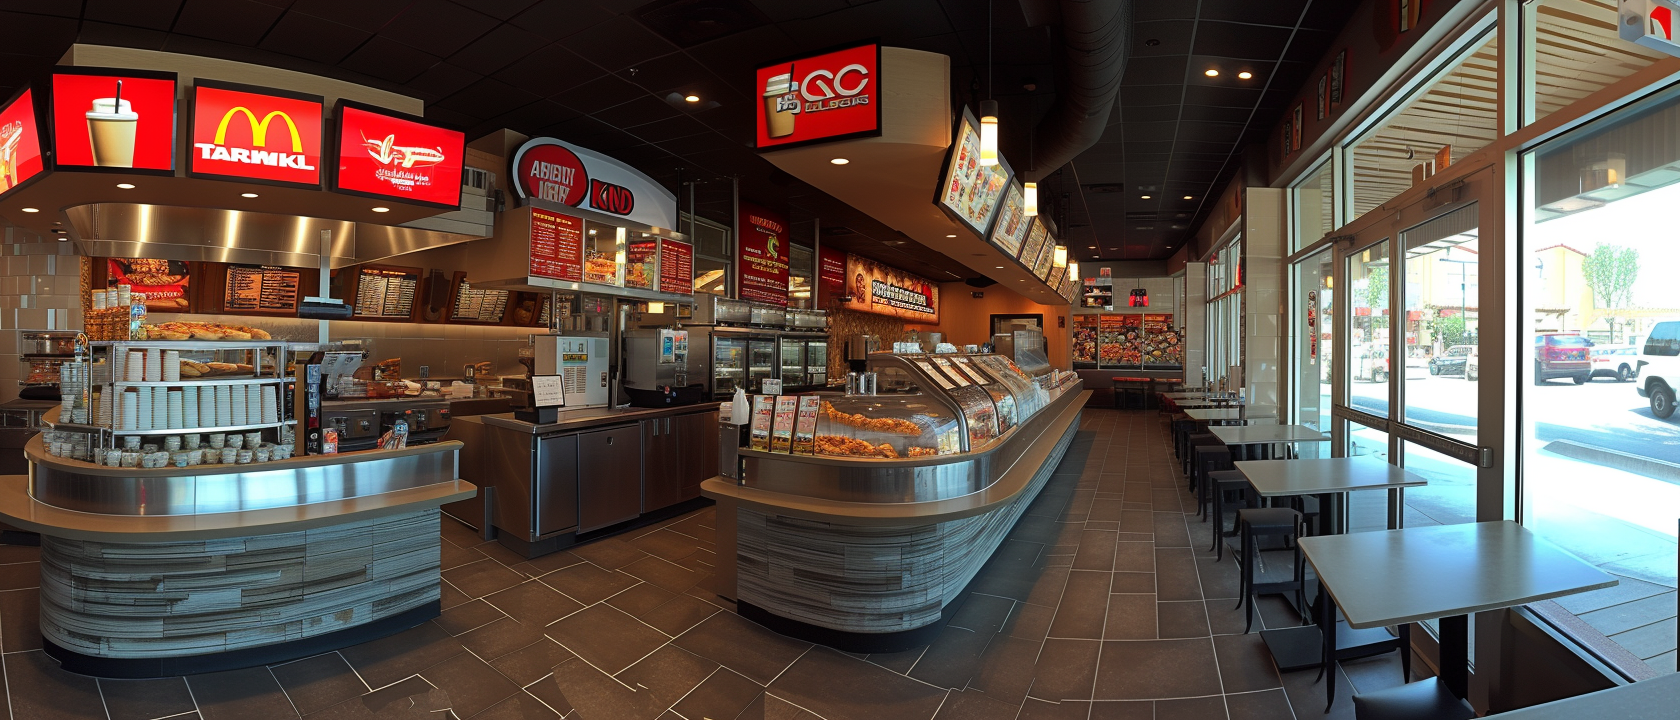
821,679
1155,669
743,646
606,637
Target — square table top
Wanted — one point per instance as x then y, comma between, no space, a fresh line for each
1185,395
1644,700
1207,414
1311,476
1390,577
1244,434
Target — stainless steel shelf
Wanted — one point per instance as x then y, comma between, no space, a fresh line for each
224,429
190,344
197,381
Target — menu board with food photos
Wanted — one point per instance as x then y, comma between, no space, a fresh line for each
384,292
781,432
1037,237
1012,223
1056,275
805,425
971,191
1085,328
477,305
261,288
163,283
763,412
1046,258
1161,344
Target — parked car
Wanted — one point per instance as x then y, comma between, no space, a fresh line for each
1451,362
1472,365
1659,367
1561,355
1614,361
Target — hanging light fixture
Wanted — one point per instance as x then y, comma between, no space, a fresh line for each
1060,256
1073,271
1030,190
989,106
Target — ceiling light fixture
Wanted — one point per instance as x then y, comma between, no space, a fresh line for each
247,195
1030,200
839,161
692,98
1146,197
126,186
1059,257
1211,72
1187,197
1090,247
951,235
989,106
382,209
1000,267
1244,75
32,210
1073,270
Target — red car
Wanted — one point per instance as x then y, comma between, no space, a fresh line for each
1559,355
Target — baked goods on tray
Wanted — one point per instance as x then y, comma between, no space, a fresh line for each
203,331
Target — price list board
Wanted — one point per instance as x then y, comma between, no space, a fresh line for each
676,267
477,305
556,246
386,292
261,288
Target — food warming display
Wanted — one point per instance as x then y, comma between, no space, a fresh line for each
1146,342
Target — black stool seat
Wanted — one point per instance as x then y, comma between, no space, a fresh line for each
1271,518
1220,484
1424,700
1270,571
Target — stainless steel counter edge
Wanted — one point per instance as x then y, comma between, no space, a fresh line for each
587,417
18,508
1063,411
37,454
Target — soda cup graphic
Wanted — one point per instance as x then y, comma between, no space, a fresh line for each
111,125
781,105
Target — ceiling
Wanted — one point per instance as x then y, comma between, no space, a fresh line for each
610,75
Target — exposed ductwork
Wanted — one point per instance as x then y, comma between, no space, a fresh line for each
1096,39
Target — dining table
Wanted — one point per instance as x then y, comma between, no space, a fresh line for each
1242,437
1655,699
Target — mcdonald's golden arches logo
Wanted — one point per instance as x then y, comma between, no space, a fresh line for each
284,142
259,128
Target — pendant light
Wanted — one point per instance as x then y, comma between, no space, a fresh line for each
1073,271
1060,256
988,107
1030,191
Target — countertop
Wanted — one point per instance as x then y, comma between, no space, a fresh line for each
582,418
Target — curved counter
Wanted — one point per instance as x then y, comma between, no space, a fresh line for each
171,571
869,555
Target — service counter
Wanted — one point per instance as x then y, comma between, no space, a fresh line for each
869,554
171,571
591,473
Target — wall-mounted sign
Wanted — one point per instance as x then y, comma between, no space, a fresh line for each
1046,257
676,266
762,254
556,246
252,133
877,288
1012,224
971,191
261,288
560,172
386,292
822,97
386,154
831,274
20,142
1038,238
163,283
109,119
477,305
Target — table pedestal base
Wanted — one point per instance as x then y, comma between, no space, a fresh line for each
1301,648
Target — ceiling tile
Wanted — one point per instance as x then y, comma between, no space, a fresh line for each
533,117
38,35
1221,96
550,70
368,15
150,14
599,94
487,98
557,20
312,38
1143,10
619,43
1172,37
497,49
98,33
1154,70
61,8
636,112
388,59
1151,95
500,9
1232,40
437,27
1271,12
442,80
241,22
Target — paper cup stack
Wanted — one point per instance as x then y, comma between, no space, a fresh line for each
143,410
206,407
189,406
154,365
270,404
175,410
160,408
130,411
240,417
171,366
224,405
136,366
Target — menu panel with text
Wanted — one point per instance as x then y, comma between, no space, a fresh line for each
556,246
20,142
255,134
386,292
676,266
261,288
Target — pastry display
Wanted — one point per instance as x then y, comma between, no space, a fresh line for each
853,447
922,451
202,331
884,425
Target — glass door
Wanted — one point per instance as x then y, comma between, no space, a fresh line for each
761,362
1313,332
793,362
816,363
729,365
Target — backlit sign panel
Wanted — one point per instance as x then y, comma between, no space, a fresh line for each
385,154
255,134
20,142
559,172
1649,23
822,97
115,120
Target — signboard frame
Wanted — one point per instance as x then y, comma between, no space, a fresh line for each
305,281
41,138
174,119
356,291
758,94
192,124
985,230
456,280
333,181
867,305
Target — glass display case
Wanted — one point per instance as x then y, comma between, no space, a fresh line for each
816,362
761,362
729,365
900,425
793,363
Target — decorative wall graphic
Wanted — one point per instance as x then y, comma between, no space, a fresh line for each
1295,132
1323,104
1338,78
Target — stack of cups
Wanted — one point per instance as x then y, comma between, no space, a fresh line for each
160,408
224,405
254,401
189,406
206,407
175,410
105,416
171,366
143,416
154,365
136,366
239,416
130,411
271,404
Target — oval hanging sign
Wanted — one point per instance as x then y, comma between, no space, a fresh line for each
556,171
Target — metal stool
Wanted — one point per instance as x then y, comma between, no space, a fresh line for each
1264,571
1223,483
1423,700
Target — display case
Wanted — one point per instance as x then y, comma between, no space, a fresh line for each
761,362
793,362
898,425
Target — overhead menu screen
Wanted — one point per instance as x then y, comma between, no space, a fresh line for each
1013,222
20,142
478,305
386,292
261,287
971,191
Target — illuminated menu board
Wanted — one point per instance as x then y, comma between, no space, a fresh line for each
676,267
250,133
114,119
386,154
20,142
1037,238
1046,258
1012,223
261,287
477,305
556,246
639,260
971,191
385,292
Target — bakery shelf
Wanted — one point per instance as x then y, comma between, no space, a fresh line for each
200,381
190,344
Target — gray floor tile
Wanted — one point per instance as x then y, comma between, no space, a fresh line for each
971,705
953,658
527,664
1130,617
1005,670
742,646
1155,669
1245,664
39,689
248,694
1123,710
500,638
481,578
472,685
312,684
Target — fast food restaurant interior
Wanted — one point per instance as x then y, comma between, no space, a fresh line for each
925,359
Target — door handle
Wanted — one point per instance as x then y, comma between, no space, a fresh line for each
610,441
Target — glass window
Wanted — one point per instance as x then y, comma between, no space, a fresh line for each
1368,360
1440,299
1575,51
1313,199
711,276
1450,496
1312,334
802,271
1452,116
1597,242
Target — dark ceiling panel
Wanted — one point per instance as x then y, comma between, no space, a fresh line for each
312,38
98,33
639,111
388,59
1151,95
1147,113
38,35
240,22
895,22
438,27
1270,12
556,20
61,8
1233,40
531,118
369,15
785,10
1170,37
1149,71
619,43
497,49
549,71
501,9
597,95
488,98
150,14
1143,10
442,80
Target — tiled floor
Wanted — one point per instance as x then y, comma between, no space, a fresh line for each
1103,604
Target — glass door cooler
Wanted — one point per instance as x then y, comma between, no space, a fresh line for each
729,365
761,362
793,363
816,363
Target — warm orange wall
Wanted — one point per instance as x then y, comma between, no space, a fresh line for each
968,320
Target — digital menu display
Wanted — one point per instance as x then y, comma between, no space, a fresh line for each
1037,237
639,260
1012,223
822,97
478,305
20,142
386,154
1055,281
255,134
386,292
1046,258
261,287
163,283
114,119
971,191
676,267
556,246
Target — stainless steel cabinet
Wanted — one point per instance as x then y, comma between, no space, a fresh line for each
662,481
556,481
609,476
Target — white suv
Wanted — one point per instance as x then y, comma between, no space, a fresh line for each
1659,367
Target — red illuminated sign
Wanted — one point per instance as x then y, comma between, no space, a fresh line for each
113,119
20,142
676,266
823,97
556,246
763,253
385,154
831,273
255,134
553,173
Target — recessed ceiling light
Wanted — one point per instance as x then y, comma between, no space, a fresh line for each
951,235
247,195
692,98
382,209
32,210
1146,197
1245,75
1000,267
1211,72
126,186
1091,247
1187,197
839,161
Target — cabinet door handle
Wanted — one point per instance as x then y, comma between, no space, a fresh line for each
610,441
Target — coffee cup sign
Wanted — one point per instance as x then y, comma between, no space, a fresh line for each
110,125
119,120
822,97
